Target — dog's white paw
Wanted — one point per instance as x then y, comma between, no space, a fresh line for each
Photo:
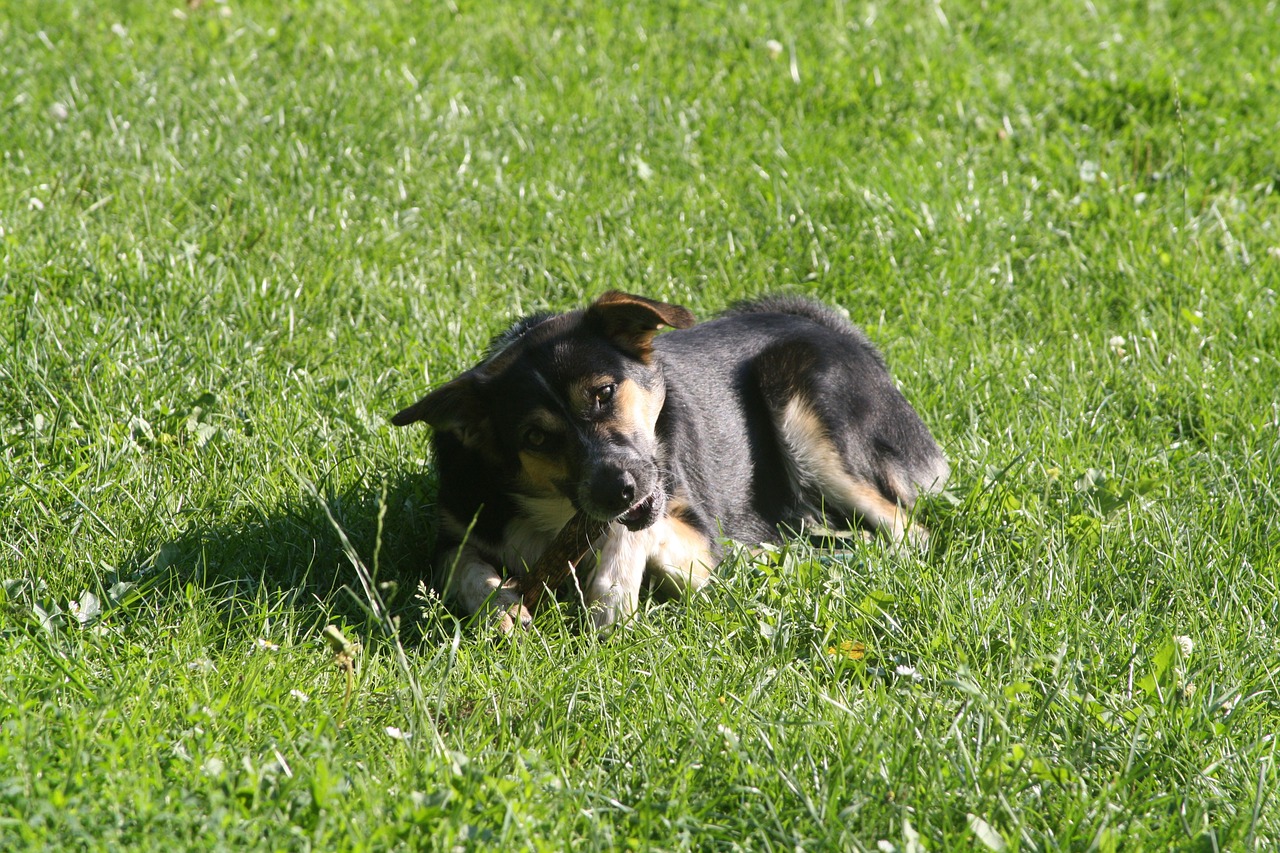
505,608
515,618
612,609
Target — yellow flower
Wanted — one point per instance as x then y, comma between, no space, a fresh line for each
850,649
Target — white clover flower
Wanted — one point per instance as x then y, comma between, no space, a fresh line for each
1186,645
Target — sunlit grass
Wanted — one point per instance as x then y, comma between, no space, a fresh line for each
235,237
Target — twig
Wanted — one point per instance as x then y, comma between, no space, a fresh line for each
570,547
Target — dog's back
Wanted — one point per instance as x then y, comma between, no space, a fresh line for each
799,419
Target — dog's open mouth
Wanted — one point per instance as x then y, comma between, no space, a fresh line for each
644,513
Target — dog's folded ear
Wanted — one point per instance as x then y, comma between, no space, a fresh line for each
453,407
631,321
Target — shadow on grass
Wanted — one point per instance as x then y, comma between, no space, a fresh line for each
300,553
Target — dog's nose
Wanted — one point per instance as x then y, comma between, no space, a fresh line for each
613,491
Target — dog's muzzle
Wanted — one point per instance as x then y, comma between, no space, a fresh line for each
610,493
644,513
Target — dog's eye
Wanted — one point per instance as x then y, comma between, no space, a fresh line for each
534,438
604,394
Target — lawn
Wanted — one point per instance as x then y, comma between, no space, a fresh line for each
235,237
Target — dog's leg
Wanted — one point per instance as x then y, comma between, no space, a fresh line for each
817,464
682,555
613,593
478,588
850,439
676,550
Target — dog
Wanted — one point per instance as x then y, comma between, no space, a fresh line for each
777,414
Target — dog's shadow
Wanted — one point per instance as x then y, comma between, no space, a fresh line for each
302,554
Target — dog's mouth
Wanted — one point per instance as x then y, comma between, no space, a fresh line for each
643,514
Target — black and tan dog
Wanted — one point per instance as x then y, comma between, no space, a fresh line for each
777,413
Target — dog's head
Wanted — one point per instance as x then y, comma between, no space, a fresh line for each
566,407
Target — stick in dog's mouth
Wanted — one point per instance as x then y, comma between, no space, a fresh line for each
572,544
577,539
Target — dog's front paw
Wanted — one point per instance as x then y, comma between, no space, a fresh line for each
612,609
515,618
505,608
918,537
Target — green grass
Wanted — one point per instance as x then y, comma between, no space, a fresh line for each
236,238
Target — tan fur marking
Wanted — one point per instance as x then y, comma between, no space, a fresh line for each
539,474
677,506
817,463
637,408
544,419
681,555
671,547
